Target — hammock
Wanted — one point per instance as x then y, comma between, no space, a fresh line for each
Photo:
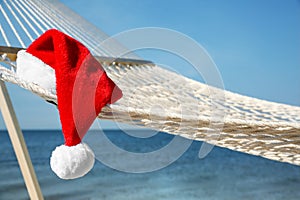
246,124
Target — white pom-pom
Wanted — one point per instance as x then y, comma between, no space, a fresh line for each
72,162
32,69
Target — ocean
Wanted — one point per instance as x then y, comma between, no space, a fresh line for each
223,174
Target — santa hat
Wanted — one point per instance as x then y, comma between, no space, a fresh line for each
63,65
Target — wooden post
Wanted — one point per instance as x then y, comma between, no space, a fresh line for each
19,144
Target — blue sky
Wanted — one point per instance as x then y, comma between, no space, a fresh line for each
255,44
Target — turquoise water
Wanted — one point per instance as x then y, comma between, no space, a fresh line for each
223,174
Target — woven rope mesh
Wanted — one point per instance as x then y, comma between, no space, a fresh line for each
157,98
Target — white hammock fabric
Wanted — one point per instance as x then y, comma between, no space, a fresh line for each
157,98
251,125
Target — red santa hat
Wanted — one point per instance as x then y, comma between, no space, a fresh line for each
63,65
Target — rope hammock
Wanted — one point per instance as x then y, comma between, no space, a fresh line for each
249,125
